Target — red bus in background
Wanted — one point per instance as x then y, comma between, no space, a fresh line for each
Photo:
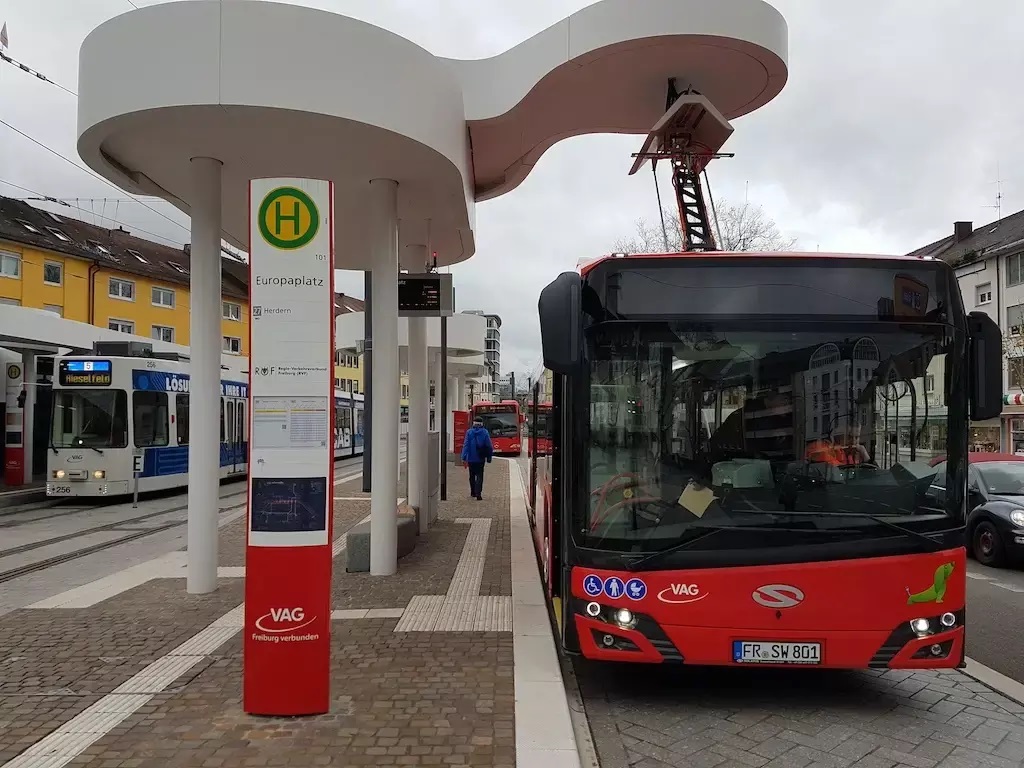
538,426
696,529
504,421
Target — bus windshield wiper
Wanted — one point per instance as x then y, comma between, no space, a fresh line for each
935,546
706,531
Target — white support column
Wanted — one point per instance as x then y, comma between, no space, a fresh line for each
28,376
460,397
439,409
419,407
383,220
204,387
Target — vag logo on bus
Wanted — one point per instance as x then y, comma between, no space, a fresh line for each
679,594
283,620
778,596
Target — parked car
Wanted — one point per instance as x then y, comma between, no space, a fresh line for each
995,505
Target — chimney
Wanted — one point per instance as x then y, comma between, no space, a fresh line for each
187,248
962,230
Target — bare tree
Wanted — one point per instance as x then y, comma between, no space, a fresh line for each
744,227
1013,351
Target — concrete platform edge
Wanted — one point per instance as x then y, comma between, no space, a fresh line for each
997,681
546,734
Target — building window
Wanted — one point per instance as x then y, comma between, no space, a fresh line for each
53,273
1015,319
121,326
10,264
163,297
1015,269
337,383
55,308
232,345
137,256
163,333
121,289
29,227
983,293
58,234
929,383
231,311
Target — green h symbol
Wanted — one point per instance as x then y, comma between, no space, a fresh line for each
279,216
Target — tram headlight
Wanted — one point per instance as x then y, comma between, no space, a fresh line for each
99,474
59,474
921,626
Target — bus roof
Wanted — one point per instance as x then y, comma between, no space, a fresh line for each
586,267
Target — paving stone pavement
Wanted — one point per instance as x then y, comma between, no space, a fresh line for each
398,698
652,717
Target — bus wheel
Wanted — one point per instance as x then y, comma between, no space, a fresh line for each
987,545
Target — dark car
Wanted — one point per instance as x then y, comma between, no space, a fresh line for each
995,503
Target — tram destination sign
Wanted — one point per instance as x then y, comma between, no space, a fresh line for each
425,295
84,373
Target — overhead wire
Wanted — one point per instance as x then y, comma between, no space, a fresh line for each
96,176
34,72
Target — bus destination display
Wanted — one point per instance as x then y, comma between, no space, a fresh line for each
480,410
84,373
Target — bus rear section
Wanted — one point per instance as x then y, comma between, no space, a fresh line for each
739,474
504,423
538,426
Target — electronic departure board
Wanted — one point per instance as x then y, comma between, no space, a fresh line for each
84,373
425,295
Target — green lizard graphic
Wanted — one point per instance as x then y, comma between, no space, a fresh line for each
936,591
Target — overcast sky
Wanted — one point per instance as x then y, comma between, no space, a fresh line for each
895,117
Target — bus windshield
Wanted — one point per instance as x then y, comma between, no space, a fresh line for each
89,418
824,427
501,423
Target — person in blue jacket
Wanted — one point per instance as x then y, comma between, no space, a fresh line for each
477,450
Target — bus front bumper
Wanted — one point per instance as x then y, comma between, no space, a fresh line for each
647,642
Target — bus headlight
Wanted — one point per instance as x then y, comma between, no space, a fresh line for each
947,620
625,618
593,610
921,626
99,474
1017,518
59,474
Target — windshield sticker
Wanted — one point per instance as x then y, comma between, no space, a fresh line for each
936,591
696,499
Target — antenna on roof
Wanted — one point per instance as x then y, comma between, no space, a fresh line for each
999,196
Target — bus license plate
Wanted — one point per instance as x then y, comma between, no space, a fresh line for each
744,652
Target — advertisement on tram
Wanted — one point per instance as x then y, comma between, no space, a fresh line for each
742,476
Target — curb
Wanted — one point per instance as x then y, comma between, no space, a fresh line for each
997,681
547,725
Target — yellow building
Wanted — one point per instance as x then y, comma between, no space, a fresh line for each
109,278
348,369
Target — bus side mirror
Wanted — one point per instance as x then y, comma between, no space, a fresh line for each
986,367
561,334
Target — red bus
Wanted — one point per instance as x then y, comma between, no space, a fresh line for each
504,421
680,515
538,425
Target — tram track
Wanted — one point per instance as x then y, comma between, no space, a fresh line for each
100,528
49,562
41,565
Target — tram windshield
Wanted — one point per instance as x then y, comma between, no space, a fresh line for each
89,418
816,427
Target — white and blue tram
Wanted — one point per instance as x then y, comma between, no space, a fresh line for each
108,409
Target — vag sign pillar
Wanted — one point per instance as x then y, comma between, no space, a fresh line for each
291,448
14,453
